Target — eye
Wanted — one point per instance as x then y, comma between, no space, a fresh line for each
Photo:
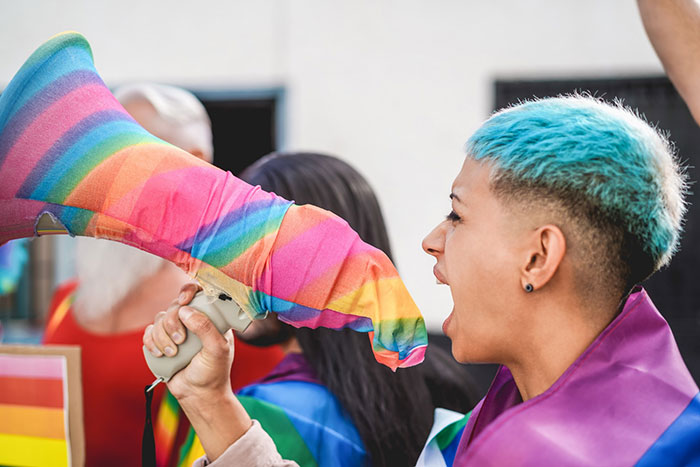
453,217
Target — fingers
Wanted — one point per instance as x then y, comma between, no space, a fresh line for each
167,331
171,324
229,336
149,343
187,292
214,343
163,336
161,340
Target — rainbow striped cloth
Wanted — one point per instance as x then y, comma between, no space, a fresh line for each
168,417
33,411
317,441
70,151
312,434
443,440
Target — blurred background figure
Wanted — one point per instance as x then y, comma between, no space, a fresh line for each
13,257
358,414
117,292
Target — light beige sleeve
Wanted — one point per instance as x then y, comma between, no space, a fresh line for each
254,449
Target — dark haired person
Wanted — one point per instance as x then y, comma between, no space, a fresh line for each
561,208
329,402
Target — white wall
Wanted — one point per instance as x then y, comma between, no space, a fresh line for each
393,86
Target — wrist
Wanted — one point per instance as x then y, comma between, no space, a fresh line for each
205,402
219,421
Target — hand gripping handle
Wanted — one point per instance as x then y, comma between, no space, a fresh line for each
224,313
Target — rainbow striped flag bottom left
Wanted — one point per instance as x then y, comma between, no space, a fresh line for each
73,161
33,411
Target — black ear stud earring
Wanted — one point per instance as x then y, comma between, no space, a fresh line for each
529,288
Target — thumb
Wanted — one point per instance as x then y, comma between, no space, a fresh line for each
214,344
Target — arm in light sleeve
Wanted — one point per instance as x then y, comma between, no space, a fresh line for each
254,449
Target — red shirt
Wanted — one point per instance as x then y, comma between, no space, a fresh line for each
114,374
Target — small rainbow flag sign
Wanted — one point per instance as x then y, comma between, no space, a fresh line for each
35,420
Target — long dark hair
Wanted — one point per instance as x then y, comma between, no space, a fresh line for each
393,412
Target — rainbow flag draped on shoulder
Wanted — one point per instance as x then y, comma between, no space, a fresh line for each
443,440
305,433
303,418
73,161
627,400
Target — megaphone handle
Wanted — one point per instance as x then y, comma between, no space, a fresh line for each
223,314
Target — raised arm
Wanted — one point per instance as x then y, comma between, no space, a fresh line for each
673,26
203,389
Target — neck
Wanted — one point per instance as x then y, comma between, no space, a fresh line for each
552,340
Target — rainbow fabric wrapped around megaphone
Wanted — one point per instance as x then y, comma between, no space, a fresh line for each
73,161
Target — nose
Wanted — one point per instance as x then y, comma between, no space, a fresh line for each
434,242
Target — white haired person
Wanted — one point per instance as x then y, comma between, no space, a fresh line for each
562,207
118,291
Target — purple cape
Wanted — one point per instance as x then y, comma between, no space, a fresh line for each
610,407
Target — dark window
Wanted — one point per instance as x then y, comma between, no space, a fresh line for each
246,125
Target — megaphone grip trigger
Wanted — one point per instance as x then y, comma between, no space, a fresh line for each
224,315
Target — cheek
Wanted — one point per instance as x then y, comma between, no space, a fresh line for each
477,269
471,260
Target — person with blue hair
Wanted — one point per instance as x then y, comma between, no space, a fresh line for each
562,207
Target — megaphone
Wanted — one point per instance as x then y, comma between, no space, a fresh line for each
73,161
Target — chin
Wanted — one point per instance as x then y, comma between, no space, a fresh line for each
458,352
470,353
458,357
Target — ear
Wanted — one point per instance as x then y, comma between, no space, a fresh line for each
545,254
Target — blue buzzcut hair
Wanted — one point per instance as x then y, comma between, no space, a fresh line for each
599,155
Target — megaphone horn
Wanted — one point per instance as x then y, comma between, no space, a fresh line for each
72,160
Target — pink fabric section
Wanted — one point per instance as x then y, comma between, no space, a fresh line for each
23,366
321,258
417,356
18,217
144,207
51,125
152,214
